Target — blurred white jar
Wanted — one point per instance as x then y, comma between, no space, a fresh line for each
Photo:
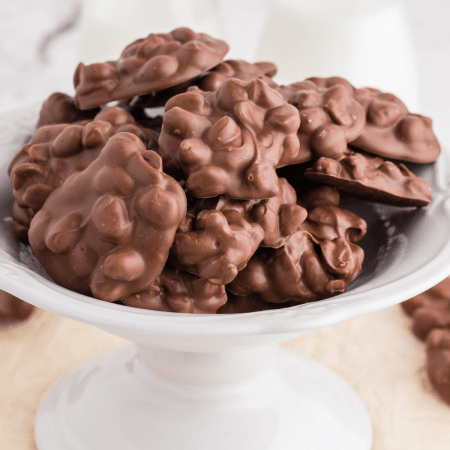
366,41
107,26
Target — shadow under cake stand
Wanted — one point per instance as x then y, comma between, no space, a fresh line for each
221,382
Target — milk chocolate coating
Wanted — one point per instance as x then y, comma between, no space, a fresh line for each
60,108
330,118
430,310
216,243
392,131
147,65
178,291
229,142
57,151
278,216
438,362
440,291
108,229
209,81
235,68
13,309
316,262
372,178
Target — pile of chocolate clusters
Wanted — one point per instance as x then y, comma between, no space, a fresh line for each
226,202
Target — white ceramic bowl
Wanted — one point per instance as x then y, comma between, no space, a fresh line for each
218,381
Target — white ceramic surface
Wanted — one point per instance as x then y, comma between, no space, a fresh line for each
199,379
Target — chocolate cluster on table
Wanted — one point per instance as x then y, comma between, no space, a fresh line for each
430,314
228,201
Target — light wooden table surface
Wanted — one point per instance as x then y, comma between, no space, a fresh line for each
376,354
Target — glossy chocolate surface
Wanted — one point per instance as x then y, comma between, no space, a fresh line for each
372,178
147,65
178,291
57,151
108,229
317,261
229,142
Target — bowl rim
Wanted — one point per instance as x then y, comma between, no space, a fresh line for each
19,280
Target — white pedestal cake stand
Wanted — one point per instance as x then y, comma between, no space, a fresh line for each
221,382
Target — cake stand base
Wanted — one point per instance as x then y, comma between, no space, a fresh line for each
114,401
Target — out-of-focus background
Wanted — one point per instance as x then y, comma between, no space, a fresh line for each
403,47
395,45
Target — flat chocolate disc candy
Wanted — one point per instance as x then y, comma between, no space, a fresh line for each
147,65
372,178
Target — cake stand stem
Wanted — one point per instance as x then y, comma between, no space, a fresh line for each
140,397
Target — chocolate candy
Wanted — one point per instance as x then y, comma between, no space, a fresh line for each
229,142
330,118
57,151
326,221
440,291
438,362
12,309
215,246
278,216
178,291
430,310
235,68
108,229
392,131
209,81
217,243
106,220
317,261
60,108
148,65
372,178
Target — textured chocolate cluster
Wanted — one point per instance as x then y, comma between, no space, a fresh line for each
179,291
330,118
13,310
230,142
147,65
317,261
226,202
430,314
57,151
108,229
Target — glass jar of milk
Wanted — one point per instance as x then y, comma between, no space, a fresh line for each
366,41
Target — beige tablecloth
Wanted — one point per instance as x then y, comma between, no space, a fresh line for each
376,354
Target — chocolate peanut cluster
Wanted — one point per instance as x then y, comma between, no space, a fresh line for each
430,314
228,201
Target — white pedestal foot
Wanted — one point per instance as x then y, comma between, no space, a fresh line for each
113,401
